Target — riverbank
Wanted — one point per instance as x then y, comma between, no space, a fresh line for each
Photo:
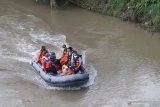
144,12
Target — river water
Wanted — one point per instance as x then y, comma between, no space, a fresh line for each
121,58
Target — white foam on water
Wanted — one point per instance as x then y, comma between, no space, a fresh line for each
5,53
21,59
90,69
26,47
84,57
56,40
20,27
92,75
27,29
34,18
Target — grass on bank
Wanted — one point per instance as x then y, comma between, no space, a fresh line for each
141,11
146,12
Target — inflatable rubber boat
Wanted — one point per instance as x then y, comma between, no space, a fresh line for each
72,80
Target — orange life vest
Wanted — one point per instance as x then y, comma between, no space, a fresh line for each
40,55
66,70
64,56
50,65
44,58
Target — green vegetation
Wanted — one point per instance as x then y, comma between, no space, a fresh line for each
62,3
145,12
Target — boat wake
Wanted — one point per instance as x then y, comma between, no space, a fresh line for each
27,39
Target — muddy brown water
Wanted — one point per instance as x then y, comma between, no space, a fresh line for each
122,58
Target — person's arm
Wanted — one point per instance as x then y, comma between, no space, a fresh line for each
62,55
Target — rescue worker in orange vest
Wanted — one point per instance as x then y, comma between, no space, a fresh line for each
66,56
46,57
76,61
41,53
51,66
66,70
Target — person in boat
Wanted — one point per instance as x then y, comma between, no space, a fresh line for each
66,70
57,62
73,65
76,62
51,66
46,57
66,55
70,52
41,53
67,60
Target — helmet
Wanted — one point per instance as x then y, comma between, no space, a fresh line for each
63,46
47,54
75,54
70,48
53,53
43,47
52,58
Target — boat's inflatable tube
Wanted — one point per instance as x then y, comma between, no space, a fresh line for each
62,81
